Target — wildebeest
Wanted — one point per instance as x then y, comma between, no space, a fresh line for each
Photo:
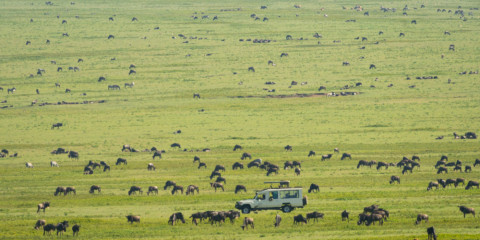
174,218
217,217
196,158
48,228
247,221
246,155
431,233
62,227
346,155
459,180
106,167
467,210
191,189
215,174
457,167
401,35
372,66
73,154
253,164
415,158
382,164
113,87
284,55
28,165
53,164
130,85
311,153
110,36
431,185
287,164
406,169
201,164
394,179
297,171
198,215
272,170
345,215
299,219
369,219
40,223
95,187
421,217
177,145
132,218
326,157
219,167
102,78
237,165
196,95
315,215
151,167
442,169
177,188
57,125
217,185
288,148
221,179
157,154
75,229
43,206
239,188
11,90
471,184
121,161
468,168
152,189
236,147
169,184
370,208
70,190
134,190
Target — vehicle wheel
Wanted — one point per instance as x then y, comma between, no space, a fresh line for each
286,209
246,210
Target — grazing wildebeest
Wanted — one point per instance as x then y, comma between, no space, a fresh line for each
311,153
239,188
401,35
442,169
121,161
201,164
284,55
287,164
159,154
471,184
442,182
57,125
134,190
272,170
191,189
113,87
221,179
132,218
345,215
150,167
245,156
73,154
196,159
236,147
106,167
278,219
196,95
253,164
62,227
152,189
369,219
174,218
372,66
449,182
232,215
457,167
169,184
219,167
70,190
288,148
198,215
421,217
102,78
326,157
415,158
346,155
458,181
370,208
48,228
177,145
363,163
431,185
11,90
394,179
297,171
444,158
75,229
247,221
110,37
237,165
87,170
217,217
53,164
95,187
217,185
215,174
251,69
40,223
29,165
110,19
382,164
299,219
406,169
43,206
431,233
467,210
130,85
468,168
177,188
288,37
439,163
315,215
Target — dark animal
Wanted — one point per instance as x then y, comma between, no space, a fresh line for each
236,147
110,37
132,72
372,66
177,188
370,208
95,187
73,154
288,148
442,169
239,188
196,95
70,190
477,162
43,206
151,167
121,161
106,167
217,185
284,55
40,223
287,164
467,210
272,170
459,180
57,125
326,157
421,217
191,189
311,153
101,79
221,179
299,219
245,156
251,69
253,164
134,190
431,233
158,154
406,169
297,171
132,218
75,229
345,215
431,185
346,155
196,159
219,167
382,164
62,227
468,169
247,221
215,174
177,145
174,218
48,228
415,158
153,190
237,165
278,219
471,184
11,90
394,179
201,164
169,184
315,215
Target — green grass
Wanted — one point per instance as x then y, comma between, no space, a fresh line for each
381,123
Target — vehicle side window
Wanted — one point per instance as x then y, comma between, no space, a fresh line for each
261,197
289,194
273,195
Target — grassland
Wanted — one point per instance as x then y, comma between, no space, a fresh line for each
382,123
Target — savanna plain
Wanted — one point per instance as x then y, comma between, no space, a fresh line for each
423,85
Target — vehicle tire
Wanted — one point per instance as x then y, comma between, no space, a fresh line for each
286,208
246,210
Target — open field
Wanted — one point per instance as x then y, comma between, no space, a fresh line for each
382,123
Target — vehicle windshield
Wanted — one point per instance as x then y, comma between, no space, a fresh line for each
260,196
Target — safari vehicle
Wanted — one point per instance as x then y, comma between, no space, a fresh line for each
284,198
